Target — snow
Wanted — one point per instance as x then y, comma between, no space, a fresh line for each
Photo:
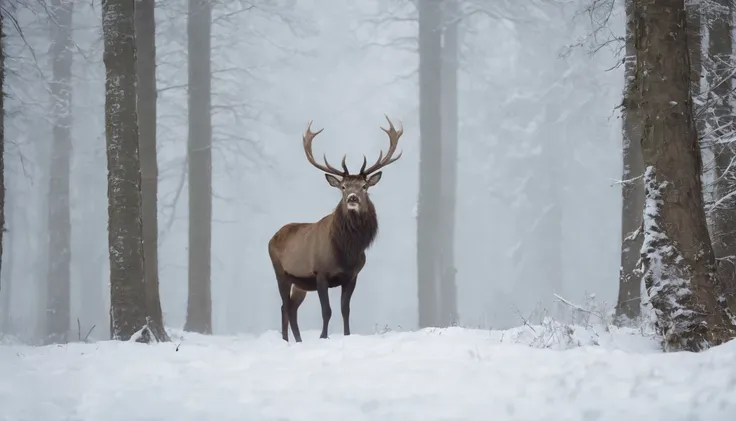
548,372
662,273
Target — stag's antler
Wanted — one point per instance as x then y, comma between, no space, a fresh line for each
393,137
307,138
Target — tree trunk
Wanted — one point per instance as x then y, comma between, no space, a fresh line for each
632,187
59,244
199,303
146,60
430,177
678,261
125,230
694,44
6,294
2,140
448,315
720,47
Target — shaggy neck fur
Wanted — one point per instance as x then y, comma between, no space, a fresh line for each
352,233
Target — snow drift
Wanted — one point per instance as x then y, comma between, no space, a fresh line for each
546,372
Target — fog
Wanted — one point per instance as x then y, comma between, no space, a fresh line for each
539,150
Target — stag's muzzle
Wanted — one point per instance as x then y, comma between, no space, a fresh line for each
353,201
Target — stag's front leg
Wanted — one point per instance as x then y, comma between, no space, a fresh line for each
324,301
347,294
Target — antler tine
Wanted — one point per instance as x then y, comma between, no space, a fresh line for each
382,161
307,139
344,166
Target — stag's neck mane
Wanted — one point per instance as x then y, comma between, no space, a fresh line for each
352,232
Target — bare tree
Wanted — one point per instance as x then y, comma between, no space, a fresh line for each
450,55
145,28
632,186
59,243
199,303
430,161
721,123
125,230
678,261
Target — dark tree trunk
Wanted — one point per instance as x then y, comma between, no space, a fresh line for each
125,230
146,60
430,165
448,289
58,283
694,8
679,265
720,47
632,188
199,303
2,140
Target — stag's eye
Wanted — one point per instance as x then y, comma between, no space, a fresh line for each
343,187
365,187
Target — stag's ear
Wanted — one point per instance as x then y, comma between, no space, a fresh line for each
334,181
373,179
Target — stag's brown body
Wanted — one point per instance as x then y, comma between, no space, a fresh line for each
335,246
330,252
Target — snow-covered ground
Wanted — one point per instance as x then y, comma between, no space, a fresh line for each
549,373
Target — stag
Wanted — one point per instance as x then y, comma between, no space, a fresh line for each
329,253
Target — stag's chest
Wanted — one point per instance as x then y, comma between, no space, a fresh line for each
349,263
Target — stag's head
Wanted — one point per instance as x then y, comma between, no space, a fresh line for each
354,187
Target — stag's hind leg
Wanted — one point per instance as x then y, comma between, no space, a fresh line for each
296,296
291,298
284,288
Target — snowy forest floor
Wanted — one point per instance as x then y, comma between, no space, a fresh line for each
546,372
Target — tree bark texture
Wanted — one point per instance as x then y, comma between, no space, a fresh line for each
694,11
58,283
678,260
2,140
199,303
632,188
125,230
720,52
146,64
430,162
448,314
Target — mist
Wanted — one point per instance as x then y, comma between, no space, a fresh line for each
538,209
